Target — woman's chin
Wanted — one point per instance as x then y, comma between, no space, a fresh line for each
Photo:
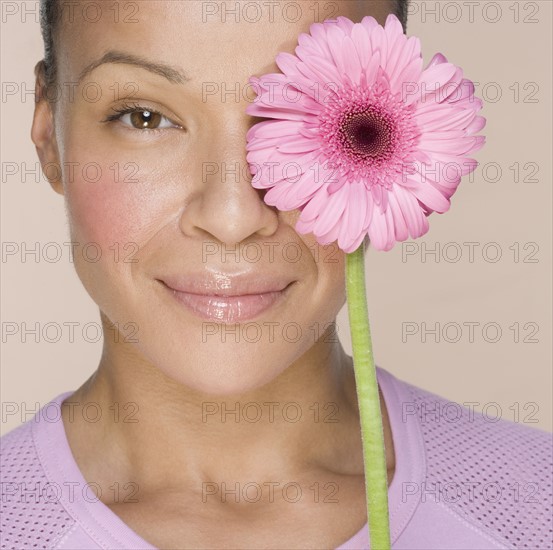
223,379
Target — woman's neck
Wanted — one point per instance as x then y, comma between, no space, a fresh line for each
156,432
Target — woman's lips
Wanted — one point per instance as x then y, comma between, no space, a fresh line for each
229,309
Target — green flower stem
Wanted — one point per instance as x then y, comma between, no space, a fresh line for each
372,430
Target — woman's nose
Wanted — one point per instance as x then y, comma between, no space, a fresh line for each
225,206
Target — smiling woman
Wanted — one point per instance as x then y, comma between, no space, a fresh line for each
223,412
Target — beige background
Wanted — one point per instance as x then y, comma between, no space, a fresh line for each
504,57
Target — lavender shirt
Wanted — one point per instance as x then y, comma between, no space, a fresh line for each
462,481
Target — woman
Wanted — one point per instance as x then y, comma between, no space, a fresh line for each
225,421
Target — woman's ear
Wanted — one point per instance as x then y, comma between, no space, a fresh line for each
42,132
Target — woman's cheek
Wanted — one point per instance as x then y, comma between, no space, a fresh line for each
112,219
117,205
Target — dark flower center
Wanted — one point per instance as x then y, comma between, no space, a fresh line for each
366,134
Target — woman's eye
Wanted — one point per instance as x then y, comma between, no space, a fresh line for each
140,117
146,120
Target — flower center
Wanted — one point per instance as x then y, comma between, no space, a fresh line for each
366,134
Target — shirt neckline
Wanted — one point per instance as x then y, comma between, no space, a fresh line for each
100,523
108,530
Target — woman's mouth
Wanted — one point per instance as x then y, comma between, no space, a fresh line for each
234,301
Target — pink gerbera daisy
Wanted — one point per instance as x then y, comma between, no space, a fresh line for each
366,141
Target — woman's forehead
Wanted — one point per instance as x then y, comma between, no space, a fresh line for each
206,39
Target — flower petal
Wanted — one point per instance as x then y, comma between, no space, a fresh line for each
299,144
321,71
273,128
407,80
315,206
345,24
332,211
318,32
331,235
353,245
369,22
372,69
345,223
437,59
476,125
391,238
444,119
376,191
379,43
335,41
351,61
362,44
279,196
358,204
368,210
400,225
393,27
396,43
308,45
411,209
378,230
287,63
306,187
428,195
432,80
352,230
412,49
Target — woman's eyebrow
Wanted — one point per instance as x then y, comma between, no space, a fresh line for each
171,73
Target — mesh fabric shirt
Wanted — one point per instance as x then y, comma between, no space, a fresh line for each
462,481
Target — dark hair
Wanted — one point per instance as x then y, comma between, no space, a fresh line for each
50,18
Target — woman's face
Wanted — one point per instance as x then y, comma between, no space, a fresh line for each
172,193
